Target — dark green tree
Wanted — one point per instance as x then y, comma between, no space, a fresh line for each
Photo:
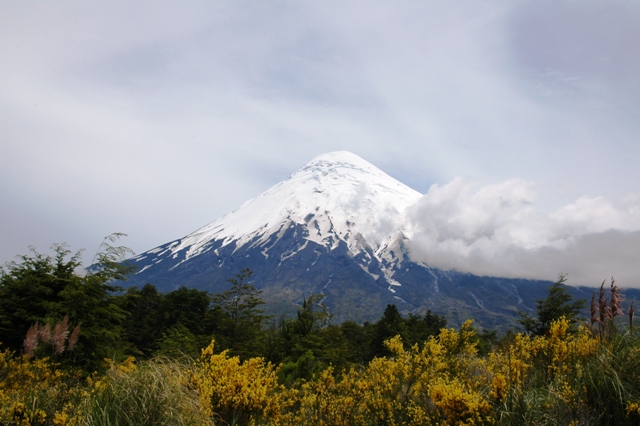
275,347
290,338
186,306
178,341
30,291
487,340
88,301
303,368
420,328
310,343
391,324
310,331
559,303
528,322
143,326
237,318
313,316
359,339
46,289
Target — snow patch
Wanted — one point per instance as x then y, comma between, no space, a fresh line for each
144,269
365,269
478,301
435,282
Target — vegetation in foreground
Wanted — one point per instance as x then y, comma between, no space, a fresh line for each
164,361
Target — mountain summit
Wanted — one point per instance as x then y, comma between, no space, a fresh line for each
337,201
335,227
336,197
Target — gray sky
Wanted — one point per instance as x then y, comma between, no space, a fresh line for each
520,119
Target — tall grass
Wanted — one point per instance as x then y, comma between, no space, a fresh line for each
156,392
611,380
600,388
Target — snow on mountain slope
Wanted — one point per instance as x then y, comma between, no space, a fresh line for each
336,196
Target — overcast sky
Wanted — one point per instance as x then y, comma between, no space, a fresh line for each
520,120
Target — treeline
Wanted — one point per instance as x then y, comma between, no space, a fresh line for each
187,320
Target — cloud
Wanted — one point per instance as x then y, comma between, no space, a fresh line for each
496,230
579,46
155,119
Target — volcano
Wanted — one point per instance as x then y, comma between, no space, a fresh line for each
336,227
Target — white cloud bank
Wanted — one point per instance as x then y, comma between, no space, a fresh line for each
497,230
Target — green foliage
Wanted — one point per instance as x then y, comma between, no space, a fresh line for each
528,322
305,367
313,316
359,341
391,324
307,343
310,339
153,318
556,305
237,320
30,291
178,341
46,289
108,262
487,340
186,306
88,301
142,326
419,329
613,376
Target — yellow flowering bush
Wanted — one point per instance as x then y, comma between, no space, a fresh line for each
443,383
238,392
35,392
327,400
565,352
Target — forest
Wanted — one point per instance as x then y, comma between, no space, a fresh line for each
77,350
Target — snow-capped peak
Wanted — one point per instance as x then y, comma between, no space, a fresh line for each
336,196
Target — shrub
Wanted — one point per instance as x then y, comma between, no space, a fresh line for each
238,393
35,392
